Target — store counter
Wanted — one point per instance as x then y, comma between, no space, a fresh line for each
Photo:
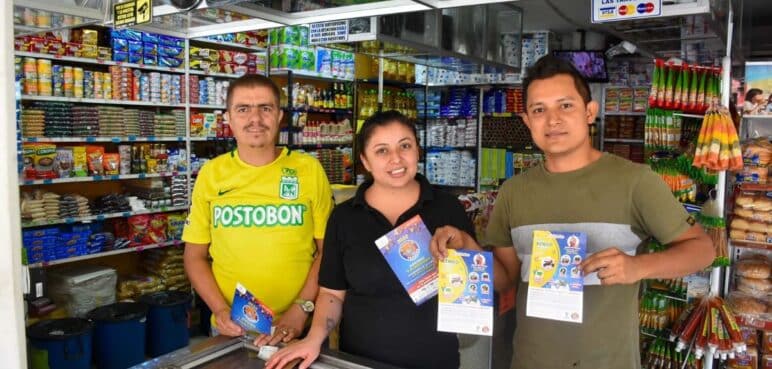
223,352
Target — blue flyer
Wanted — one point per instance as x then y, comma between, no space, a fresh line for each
406,249
466,293
249,313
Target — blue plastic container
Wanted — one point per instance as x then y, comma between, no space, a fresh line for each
167,321
119,334
60,344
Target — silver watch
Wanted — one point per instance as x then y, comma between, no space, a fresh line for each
306,305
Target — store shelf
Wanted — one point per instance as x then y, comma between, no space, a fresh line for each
101,178
321,146
320,110
755,187
625,140
117,139
453,186
100,217
696,116
763,117
205,106
391,83
307,74
99,101
626,113
232,45
450,148
501,115
200,139
751,244
74,59
213,74
106,253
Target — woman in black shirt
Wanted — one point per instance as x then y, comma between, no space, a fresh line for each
378,320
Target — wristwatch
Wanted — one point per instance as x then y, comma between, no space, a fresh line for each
306,305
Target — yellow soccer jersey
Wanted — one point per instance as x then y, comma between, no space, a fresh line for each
260,223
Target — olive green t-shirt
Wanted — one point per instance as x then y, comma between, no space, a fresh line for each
615,202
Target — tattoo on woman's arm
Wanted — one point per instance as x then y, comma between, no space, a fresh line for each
330,324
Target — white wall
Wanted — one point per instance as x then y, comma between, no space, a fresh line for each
12,341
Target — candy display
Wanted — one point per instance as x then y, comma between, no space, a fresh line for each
711,323
718,147
690,88
661,354
657,312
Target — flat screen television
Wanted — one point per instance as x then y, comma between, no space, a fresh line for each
591,64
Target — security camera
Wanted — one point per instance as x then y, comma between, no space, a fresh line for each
623,47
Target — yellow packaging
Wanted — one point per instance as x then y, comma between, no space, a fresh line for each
69,80
30,76
98,85
79,161
77,76
45,87
88,51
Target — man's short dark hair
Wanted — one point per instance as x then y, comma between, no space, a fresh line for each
252,80
549,66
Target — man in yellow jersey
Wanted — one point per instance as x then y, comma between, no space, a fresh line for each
260,211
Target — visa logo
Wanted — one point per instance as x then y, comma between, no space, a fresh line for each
608,10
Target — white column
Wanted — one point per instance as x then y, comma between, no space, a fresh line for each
12,341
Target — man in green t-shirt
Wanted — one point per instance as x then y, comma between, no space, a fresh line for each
616,203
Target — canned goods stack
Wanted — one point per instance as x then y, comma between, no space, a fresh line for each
180,122
176,89
45,87
193,81
144,87
155,87
88,84
33,122
166,85
86,120
165,125
57,119
30,71
77,75
111,121
131,122
146,122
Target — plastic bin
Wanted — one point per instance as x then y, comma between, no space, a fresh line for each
119,334
60,344
167,321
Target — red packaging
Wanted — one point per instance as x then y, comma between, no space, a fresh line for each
71,48
139,227
226,56
55,47
37,45
19,44
157,229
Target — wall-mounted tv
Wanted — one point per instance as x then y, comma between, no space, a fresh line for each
591,64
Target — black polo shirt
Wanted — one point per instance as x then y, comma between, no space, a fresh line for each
380,321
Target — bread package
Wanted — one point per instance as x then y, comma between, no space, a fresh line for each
747,306
754,286
753,268
740,224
